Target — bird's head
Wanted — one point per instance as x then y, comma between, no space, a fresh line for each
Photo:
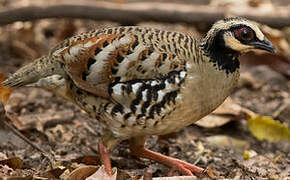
237,34
230,37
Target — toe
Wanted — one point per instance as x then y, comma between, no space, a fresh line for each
181,169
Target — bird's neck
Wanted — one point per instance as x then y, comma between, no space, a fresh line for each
223,58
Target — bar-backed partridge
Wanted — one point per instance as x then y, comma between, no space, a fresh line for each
140,81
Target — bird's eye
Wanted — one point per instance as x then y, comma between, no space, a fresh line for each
244,34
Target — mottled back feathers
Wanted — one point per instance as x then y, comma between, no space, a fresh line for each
96,59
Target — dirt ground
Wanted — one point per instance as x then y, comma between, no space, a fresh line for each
62,129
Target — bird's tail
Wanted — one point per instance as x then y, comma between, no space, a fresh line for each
32,72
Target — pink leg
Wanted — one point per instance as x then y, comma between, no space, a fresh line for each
105,157
175,164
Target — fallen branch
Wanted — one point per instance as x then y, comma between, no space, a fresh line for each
133,13
42,120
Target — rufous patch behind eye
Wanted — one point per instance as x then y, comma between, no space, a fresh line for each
244,33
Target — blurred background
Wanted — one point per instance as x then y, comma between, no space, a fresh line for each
232,141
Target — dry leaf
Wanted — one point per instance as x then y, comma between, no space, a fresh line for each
4,91
222,140
88,160
18,178
14,162
221,116
210,173
249,154
5,169
101,174
82,172
266,128
54,173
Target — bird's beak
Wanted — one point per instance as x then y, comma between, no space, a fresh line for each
264,45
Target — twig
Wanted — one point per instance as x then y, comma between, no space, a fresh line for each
21,136
133,13
197,160
281,108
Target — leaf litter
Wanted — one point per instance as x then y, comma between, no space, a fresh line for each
266,128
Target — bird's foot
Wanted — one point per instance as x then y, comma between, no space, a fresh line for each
105,157
176,164
185,168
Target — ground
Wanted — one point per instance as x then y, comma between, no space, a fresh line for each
62,129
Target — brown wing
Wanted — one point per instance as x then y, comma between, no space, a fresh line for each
96,62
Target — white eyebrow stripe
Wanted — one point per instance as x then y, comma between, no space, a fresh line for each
260,36
258,32
255,27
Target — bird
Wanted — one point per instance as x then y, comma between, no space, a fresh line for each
139,81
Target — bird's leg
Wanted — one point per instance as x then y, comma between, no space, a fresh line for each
137,148
105,145
105,157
